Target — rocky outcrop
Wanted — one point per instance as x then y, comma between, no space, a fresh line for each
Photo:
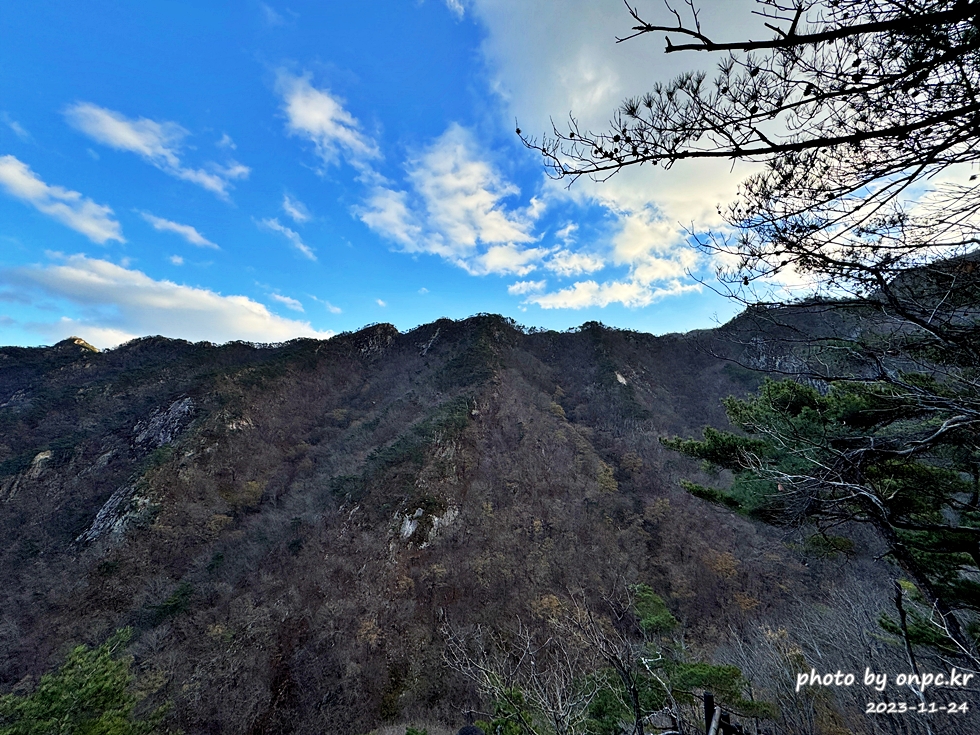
123,508
163,426
9,486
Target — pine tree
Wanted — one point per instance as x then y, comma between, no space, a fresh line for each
89,694
862,452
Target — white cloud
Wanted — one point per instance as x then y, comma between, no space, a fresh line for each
226,142
505,260
291,235
534,209
95,221
554,57
551,57
295,209
456,7
320,117
423,290
386,212
381,303
653,248
176,260
463,194
567,233
653,251
15,126
271,16
629,293
158,143
566,263
185,231
332,309
120,304
524,287
102,337
642,233
287,301
327,305
217,179
456,209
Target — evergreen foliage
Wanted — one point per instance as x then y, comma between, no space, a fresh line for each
861,452
89,694
652,613
854,109
592,674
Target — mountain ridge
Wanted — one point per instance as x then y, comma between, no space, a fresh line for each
287,527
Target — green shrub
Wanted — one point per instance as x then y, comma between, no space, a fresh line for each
90,694
827,546
652,611
175,605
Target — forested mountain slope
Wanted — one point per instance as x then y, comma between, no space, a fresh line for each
287,528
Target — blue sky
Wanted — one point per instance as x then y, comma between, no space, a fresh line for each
263,171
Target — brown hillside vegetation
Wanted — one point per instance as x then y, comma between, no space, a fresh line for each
288,528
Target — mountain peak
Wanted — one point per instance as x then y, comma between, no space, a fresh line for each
73,341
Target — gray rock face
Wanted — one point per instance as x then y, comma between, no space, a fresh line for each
162,426
126,506
113,517
9,487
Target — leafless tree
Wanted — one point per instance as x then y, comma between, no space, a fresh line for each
542,680
865,117
852,106
616,640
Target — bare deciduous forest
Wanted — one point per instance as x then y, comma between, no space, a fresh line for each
398,532
294,533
